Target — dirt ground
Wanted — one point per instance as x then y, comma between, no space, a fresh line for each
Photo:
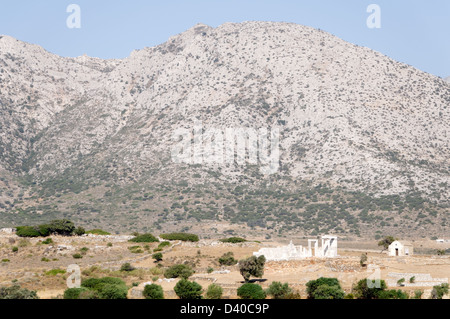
104,255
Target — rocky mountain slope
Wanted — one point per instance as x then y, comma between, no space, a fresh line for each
92,138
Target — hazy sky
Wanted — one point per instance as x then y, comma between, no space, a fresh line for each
416,32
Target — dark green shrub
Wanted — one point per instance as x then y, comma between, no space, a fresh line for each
89,294
98,283
16,292
110,291
277,290
328,292
107,287
179,271
439,291
227,259
251,291
153,291
190,290
180,236
55,272
80,231
77,256
233,240
27,231
145,238
163,244
157,257
214,291
15,249
252,266
44,230
48,241
61,227
392,294
74,293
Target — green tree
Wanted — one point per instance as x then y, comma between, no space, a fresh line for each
324,288
252,266
214,291
61,227
153,291
251,291
186,289
386,241
277,290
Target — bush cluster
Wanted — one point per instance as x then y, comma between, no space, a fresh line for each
233,240
179,271
144,238
61,227
99,288
180,236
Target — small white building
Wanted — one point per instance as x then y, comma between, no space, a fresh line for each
400,249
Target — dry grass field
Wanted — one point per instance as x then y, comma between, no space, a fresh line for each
31,266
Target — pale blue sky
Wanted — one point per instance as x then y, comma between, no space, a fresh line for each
416,32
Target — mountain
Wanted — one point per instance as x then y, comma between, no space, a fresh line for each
364,140
447,79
